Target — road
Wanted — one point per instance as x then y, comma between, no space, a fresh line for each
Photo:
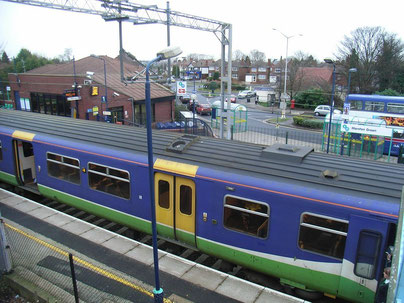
257,117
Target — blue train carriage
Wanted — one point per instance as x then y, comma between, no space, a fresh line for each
316,221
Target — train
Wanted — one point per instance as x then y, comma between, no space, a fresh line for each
320,223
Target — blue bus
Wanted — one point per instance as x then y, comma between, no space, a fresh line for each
387,108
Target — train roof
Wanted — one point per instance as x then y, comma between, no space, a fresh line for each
296,165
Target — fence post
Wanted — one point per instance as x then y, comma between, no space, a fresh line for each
5,261
76,293
287,135
231,131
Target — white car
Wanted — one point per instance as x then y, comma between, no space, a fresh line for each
323,110
246,94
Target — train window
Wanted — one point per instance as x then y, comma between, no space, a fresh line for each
367,254
109,180
27,149
1,152
64,168
186,199
246,216
164,194
323,235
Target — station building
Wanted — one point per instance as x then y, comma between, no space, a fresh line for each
51,90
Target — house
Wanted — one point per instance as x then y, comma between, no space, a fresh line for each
51,89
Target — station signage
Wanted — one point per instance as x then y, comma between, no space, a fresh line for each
75,98
366,130
70,93
181,88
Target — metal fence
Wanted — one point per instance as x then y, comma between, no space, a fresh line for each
68,277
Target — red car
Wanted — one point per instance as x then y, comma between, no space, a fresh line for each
203,109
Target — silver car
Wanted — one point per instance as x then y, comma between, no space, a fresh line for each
323,110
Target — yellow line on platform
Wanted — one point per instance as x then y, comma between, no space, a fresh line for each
86,264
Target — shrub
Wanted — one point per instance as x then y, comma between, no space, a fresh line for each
308,121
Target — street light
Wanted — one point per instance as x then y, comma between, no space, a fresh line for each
351,70
164,54
286,60
105,83
329,61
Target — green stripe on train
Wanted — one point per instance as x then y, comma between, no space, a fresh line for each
98,210
324,282
8,178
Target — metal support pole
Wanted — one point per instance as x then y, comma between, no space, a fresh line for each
168,41
222,114
5,261
157,291
229,64
76,293
331,108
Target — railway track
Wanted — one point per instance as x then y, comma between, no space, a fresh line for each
182,251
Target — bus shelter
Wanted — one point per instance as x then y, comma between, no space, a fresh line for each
356,136
238,116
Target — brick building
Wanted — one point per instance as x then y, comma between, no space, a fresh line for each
50,90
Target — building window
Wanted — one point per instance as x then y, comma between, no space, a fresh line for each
262,77
262,69
234,68
211,68
64,168
50,104
164,194
234,76
253,69
109,180
246,216
323,235
278,70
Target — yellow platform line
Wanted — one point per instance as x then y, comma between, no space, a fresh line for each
86,264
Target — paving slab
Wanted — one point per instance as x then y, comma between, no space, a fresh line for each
97,235
143,254
177,267
269,295
204,277
120,245
27,206
42,212
77,227
4,194
240,290
12,200
58,219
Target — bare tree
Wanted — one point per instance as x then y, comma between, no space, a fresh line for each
238,55
361,50
257,57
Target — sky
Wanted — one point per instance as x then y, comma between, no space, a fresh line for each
322,24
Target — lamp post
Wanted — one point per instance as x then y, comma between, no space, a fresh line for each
165,54
105,83
351,70
329,61
283,106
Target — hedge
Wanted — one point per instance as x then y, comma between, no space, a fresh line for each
308,121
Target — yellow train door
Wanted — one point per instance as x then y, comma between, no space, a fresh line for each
175,207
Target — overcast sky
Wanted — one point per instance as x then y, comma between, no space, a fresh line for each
323,25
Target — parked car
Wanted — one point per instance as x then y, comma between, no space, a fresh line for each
233,99
203,109
323,110
246,94
185,98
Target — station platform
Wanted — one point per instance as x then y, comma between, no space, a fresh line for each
117,269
